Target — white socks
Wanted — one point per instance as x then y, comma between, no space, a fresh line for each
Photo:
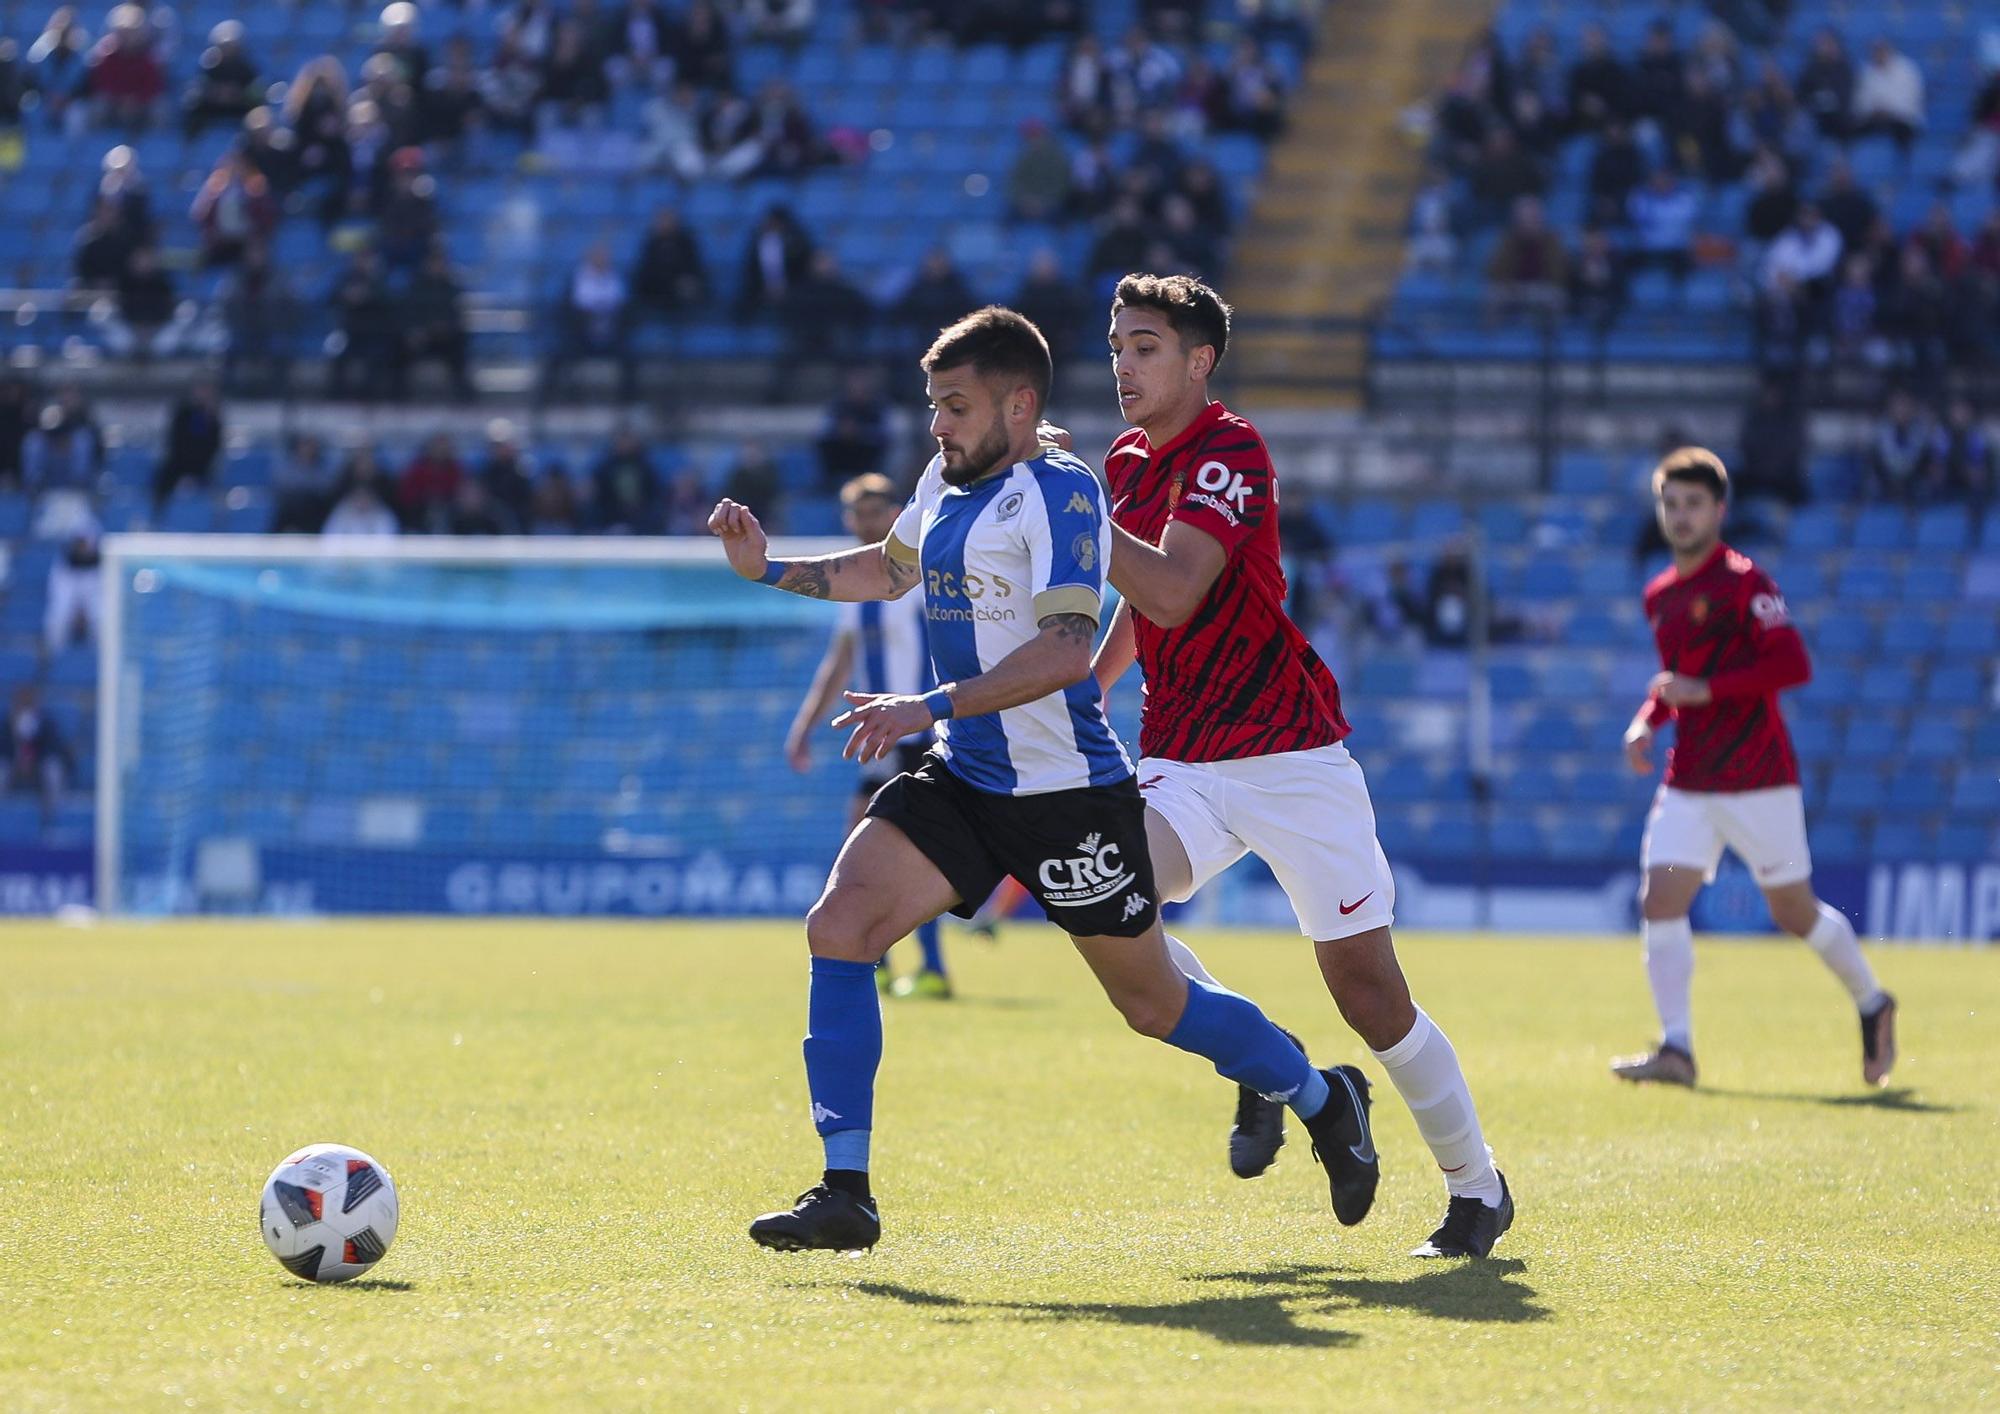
1186,961
1425,1070
1670,968
1833,939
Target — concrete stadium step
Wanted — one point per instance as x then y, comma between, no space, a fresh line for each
1325,238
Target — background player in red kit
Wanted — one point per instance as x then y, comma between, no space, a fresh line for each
1727,648
1242,729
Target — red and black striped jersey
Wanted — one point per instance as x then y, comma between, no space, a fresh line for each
1239,678
1726,622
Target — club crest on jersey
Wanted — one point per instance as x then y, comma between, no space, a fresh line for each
1085,550
1095,872
1010,507
1698,610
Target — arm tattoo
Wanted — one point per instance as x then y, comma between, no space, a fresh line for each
902,576
808,577
1071,628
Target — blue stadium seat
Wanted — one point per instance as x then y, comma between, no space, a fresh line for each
1943,528
1955,685
1961,842
1931,580
1854,787
1837,839
1907,635
1897,837
1881,528
1935,738
1971,633
1817,528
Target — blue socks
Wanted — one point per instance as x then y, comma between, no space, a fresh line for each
927,939
843,1048
1245,1047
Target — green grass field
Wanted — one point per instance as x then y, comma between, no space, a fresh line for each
581,1119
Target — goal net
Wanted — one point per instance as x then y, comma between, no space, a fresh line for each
436,726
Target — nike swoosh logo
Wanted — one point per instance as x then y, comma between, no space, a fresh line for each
1360,1118
1347,908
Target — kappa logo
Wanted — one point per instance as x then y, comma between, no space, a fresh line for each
1136,904
1010,507
1080,504
821,1114
1094,873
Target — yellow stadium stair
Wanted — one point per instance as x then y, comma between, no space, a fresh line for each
1325,235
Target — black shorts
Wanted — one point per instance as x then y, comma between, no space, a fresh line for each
1081,853
907,756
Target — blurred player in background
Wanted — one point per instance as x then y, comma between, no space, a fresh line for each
1010,541
878,648
1240,737
1727,649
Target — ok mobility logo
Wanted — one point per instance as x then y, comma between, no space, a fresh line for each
981,598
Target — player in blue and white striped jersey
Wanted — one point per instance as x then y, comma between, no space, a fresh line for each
878,648
1010,540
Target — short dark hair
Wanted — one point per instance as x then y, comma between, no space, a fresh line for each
997,342
1697,466
869,484
1197,312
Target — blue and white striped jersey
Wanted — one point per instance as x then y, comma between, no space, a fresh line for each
997,558
890,654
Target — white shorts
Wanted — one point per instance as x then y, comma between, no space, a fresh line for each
1304,813
1766,828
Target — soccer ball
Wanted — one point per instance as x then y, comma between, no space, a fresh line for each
329,1213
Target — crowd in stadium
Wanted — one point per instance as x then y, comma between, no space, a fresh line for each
1827,275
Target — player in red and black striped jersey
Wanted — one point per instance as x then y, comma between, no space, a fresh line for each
1727,649
1241,734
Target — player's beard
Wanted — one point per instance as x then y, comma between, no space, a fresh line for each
981,461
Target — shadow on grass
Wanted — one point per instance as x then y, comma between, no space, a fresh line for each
1900,1097
375,1284
1468,1291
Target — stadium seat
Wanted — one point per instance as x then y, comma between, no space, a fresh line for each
1881,528
1955,685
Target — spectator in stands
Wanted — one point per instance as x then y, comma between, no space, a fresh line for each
1528,270
775,260
452,102
1769,114
1846,204
402,42
786,137
1616,170
431,319
1597,291
66,449
123,75
1915,317
936,296
75,589
407,218
194,442
146,318
17,416
575,87
1465,116
1658,75
1900,468
754,479
234,207
362,309
676,132
555,510
527,28
1663,214
1807,252
260,320
121,182
1978,156
395,101
475,512
827,315
505,473
1599,85
1084,96
103,248
1201,184
1432,244
1503,175
855,437
38,758
1093,181
1255,91
670,277
1774,201
1144,75
595,321
626,495
17,91
361,513
1049,298
1889,97
701,47
225,85
56,61
1826,85
1771,447
1962,459
1194,250
1780,325
1701,131
429,486
1121,242
303,486
1938,238
1038,186
1853,313
1447,620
